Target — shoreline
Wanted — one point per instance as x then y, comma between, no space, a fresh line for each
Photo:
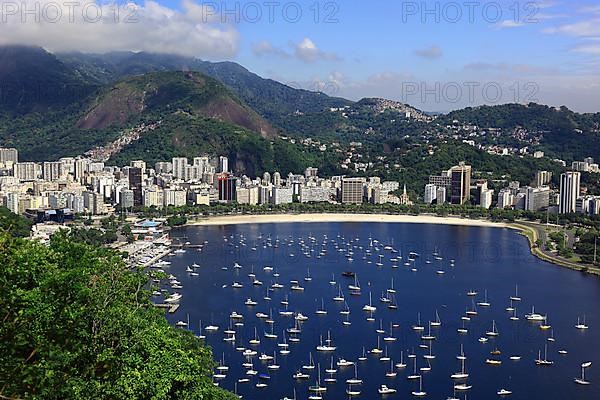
333,217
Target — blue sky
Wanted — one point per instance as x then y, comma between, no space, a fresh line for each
548,51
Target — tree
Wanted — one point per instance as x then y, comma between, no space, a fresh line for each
78,324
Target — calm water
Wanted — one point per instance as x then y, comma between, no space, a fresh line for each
489,259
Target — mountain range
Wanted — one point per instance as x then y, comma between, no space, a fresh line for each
55,105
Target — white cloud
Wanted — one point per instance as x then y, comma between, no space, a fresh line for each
193,30
430,52
266,48
306,51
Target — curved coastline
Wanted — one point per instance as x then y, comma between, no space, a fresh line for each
332,217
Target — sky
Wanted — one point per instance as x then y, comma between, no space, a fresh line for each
437,56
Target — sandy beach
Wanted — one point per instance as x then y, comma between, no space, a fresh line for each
331,217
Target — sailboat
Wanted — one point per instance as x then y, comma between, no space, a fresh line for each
255,341
363,357
340,296
418,326
311,363
273,365
391,289
369,307
317,387
581,380
391,337
516,296
581,325
414,375
293,398
514,317
355,380
494,331
377,350
429,336
356,286
392,372
485,302
328,346
321,311
401,364
545,361
437,321
420,392
462,374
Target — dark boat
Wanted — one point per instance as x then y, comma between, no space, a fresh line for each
348,274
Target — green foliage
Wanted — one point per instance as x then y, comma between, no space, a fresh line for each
77,324
14,224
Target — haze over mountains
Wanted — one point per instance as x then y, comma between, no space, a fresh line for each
55,105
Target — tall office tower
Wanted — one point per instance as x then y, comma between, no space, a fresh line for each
569,192
179,166
352,190
430,193
460,190
9,154
227,187
135,184
223,165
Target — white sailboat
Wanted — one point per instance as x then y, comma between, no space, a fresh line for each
420,392
582,380
369,307
581,325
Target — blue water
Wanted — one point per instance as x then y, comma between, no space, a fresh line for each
489,259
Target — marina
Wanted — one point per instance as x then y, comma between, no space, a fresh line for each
359,310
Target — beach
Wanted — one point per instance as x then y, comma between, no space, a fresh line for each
332,217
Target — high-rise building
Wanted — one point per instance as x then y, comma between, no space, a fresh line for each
141,164
430,193
282,195
352,190
569,192
505,198
179,166
9,154
12,202
26,171
460,190
126,199
537,198
441,195
135,184
227,187
223,164
311,172
163,167
52,171
81,167
542,178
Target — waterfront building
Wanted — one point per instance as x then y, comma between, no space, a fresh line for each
460,190
352,190
430,193
569,191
